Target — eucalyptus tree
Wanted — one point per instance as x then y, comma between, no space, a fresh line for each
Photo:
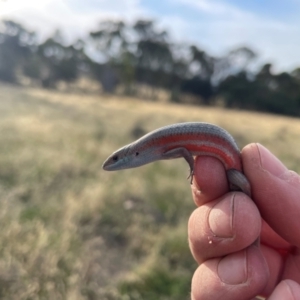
16,45
113,59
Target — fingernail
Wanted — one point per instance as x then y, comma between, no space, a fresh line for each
232,269
286,289
270,162
273,165
220,218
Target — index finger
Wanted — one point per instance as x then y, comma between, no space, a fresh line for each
210,180
276,191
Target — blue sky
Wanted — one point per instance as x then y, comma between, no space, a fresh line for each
270,27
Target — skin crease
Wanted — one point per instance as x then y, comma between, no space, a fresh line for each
225,224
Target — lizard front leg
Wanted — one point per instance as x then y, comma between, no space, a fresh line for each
181,152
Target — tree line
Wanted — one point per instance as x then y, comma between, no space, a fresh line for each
119,54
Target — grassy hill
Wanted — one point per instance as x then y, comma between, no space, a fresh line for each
72,231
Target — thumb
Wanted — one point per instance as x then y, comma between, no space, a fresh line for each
275,190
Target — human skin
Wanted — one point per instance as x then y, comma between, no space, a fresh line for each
224,226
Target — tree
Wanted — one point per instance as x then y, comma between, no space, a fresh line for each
234,62
154,56
241,58
238,91
16,45
58,61
110,40
265,92
199,79
202,63
113,50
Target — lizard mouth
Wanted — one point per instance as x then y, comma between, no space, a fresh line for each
107,165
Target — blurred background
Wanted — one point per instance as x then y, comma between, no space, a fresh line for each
79,80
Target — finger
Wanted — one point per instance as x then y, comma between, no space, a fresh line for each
286,289
275,190
275,262
292,266
241,275
210,181
270,238
223,226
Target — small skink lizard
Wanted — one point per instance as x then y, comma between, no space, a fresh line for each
184,140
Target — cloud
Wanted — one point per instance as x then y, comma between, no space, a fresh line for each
215,8
74,17
114,7
8,7
221,26
214,25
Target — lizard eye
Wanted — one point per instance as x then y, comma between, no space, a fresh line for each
137,153
115,158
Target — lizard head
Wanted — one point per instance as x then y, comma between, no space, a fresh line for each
128,157
117,160
124,158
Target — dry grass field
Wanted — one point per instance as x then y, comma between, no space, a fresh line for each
72,231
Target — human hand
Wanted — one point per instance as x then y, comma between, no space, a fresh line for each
224,226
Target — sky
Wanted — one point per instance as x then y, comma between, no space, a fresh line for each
270,27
